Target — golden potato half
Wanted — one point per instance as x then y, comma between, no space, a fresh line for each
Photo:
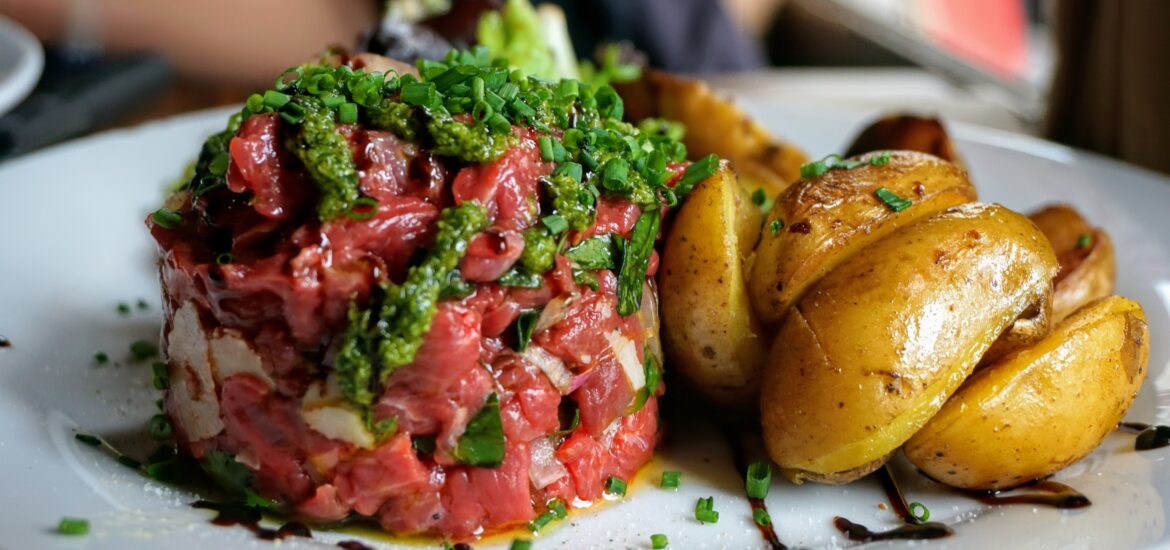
717,126
821,221
1040,409
709,332
1088,269
877,346
908,132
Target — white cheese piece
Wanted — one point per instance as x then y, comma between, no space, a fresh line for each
192,382
326,412
231,355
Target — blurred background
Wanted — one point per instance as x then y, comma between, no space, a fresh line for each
1090,73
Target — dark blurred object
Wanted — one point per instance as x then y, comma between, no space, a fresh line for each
78,95
687,36
798,37
981,45
430,38
1111,92
906,132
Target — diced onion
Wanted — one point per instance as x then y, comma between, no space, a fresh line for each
648,315
544,468
626,353
554,312
552,367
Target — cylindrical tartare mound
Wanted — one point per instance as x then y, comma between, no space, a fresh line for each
420,299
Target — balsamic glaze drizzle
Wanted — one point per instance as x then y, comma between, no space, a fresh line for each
228,514
1149,436
739,457
354,545
5,342
911,529
1044,492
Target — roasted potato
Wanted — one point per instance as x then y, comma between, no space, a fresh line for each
715,125
1042,408
708,329
1087,266
822,221
875,348
907,132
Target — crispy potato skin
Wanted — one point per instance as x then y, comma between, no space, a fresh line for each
877,346
908,132
717,126
708,329
829,218
1040,409
1087,273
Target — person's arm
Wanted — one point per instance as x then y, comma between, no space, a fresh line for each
227,40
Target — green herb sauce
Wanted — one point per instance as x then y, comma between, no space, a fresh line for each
386,333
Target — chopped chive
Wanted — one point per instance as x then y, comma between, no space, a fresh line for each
920,512
363,208
881,159
615,174
759,479
670,479
275,99
566,89
544,143
499,124
705,510
333,101
775,226
761,517
520,544
123,308
160,427
658,541
292,113
101,358
347,113
695,173
571,169
759,197
615,486
255,103
1084,240
541,521
142,350
891,200
142,304
421,94
224,258
161,377
557,507
555,223
90,440
522,109
166,218
73,526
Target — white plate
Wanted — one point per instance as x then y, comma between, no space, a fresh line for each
73,246
21,61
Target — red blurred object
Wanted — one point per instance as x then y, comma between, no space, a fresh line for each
991,34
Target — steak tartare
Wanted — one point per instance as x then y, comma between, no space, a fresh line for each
423,298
